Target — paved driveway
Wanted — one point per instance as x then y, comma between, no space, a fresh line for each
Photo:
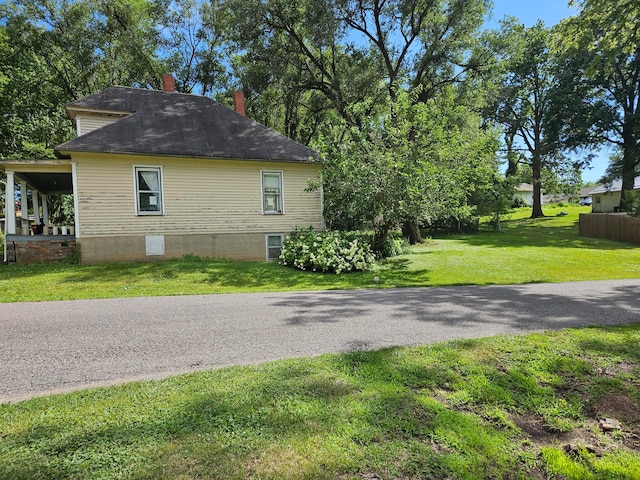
61,346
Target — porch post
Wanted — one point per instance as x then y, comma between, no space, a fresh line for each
24,206
76,210
45,210
36,207
10,207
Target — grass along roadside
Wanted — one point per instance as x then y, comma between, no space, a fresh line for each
501,407
542,250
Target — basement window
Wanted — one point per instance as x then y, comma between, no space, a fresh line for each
148,185
274,246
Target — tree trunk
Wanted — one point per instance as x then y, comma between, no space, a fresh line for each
629,162
536,167
512,156
497,227
411,231
379,238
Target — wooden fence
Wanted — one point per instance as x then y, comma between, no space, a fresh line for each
612,226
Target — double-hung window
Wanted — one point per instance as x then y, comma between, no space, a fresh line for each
272,192
148,183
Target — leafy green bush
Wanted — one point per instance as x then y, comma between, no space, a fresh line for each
633,203
327,251
518,202
393,245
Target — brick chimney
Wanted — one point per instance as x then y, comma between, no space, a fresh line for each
238,103
168,84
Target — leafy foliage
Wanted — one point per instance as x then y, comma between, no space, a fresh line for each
598,69
633,203
61,210
328,251
425,163
497,200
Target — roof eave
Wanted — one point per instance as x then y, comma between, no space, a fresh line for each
68,153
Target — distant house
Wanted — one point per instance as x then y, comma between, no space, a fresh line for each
525,192
606,198
585,195
160,174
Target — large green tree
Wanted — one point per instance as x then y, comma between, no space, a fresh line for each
55,51
298,68
523,101
347,63
426,163
599,82
33,120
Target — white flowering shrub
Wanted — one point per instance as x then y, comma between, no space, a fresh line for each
326,251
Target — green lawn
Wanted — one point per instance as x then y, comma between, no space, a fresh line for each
501,408
542,250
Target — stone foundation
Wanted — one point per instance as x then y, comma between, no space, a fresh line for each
240,246
37,250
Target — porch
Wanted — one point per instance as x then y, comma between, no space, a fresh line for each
32,231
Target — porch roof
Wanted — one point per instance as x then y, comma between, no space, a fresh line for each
48,176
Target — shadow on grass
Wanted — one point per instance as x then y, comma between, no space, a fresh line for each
285,415
216,432
243,276
207,272
612,347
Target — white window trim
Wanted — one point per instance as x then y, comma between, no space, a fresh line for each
136,193
266,244
281,173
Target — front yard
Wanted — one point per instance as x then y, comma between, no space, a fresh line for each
543,250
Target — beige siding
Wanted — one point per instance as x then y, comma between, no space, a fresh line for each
607,203
87,122
200,197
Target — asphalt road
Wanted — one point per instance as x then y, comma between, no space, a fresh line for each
54,347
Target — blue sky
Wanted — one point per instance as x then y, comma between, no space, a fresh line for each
550,12
529,11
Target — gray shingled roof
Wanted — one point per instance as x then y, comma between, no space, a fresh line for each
615,186
175,124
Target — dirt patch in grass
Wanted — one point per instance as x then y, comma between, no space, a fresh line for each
590,435
627,412
621,407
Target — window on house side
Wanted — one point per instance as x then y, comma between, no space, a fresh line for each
274,246
148,190
272,192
